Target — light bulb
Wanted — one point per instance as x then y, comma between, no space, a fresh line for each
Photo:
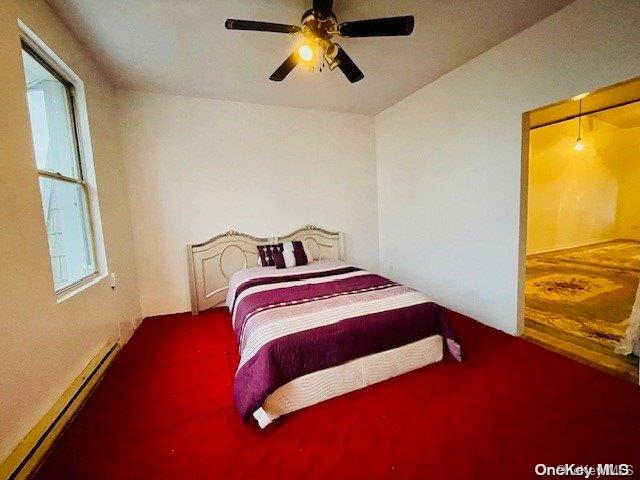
305,52
579,146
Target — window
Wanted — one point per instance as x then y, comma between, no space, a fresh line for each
64,190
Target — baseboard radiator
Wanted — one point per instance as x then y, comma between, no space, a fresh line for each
28,455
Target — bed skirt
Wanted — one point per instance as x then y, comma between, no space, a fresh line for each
331,382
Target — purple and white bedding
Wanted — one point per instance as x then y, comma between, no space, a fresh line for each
292,322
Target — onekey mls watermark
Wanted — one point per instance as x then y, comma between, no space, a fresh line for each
584,471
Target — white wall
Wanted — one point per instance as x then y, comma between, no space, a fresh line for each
449,155
45,344
199,167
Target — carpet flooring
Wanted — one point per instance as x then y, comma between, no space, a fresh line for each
164,411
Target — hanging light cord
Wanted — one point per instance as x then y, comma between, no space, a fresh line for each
579,120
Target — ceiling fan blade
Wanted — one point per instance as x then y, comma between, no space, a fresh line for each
284,69
348,67
233,24
378,27
322,8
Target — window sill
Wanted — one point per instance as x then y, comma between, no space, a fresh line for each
67,294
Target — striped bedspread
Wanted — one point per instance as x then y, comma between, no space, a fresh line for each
295,321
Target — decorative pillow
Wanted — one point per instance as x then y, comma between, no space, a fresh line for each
265,252
291,255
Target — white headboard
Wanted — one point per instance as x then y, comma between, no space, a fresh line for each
212,263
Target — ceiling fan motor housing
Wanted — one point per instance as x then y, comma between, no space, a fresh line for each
313,27
322,9
320,31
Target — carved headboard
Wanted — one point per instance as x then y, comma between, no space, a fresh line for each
212,263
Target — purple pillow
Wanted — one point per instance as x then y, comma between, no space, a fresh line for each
266,254
278,259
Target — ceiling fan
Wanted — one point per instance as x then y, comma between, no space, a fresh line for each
318,26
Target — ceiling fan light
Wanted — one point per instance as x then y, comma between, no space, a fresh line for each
331,62
331,50
305,52
330,53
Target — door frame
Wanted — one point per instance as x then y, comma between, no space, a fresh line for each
605,98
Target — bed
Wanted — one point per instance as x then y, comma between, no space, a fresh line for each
312,332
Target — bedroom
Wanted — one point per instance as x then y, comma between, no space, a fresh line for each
185,141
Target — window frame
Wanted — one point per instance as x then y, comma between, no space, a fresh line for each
28,46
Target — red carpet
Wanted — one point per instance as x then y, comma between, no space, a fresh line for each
164,411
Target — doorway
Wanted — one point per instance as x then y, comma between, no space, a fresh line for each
581,221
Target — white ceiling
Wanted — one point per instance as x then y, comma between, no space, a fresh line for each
181,47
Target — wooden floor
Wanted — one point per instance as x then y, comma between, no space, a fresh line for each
622,366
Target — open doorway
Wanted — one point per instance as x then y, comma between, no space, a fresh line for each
581,185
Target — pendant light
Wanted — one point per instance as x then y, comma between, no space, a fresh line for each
579,146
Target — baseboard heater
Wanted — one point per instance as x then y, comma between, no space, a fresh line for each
40,439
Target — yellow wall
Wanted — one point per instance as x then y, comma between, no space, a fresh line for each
628,165
577,198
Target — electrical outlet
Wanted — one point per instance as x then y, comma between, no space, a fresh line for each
112,280
125,330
